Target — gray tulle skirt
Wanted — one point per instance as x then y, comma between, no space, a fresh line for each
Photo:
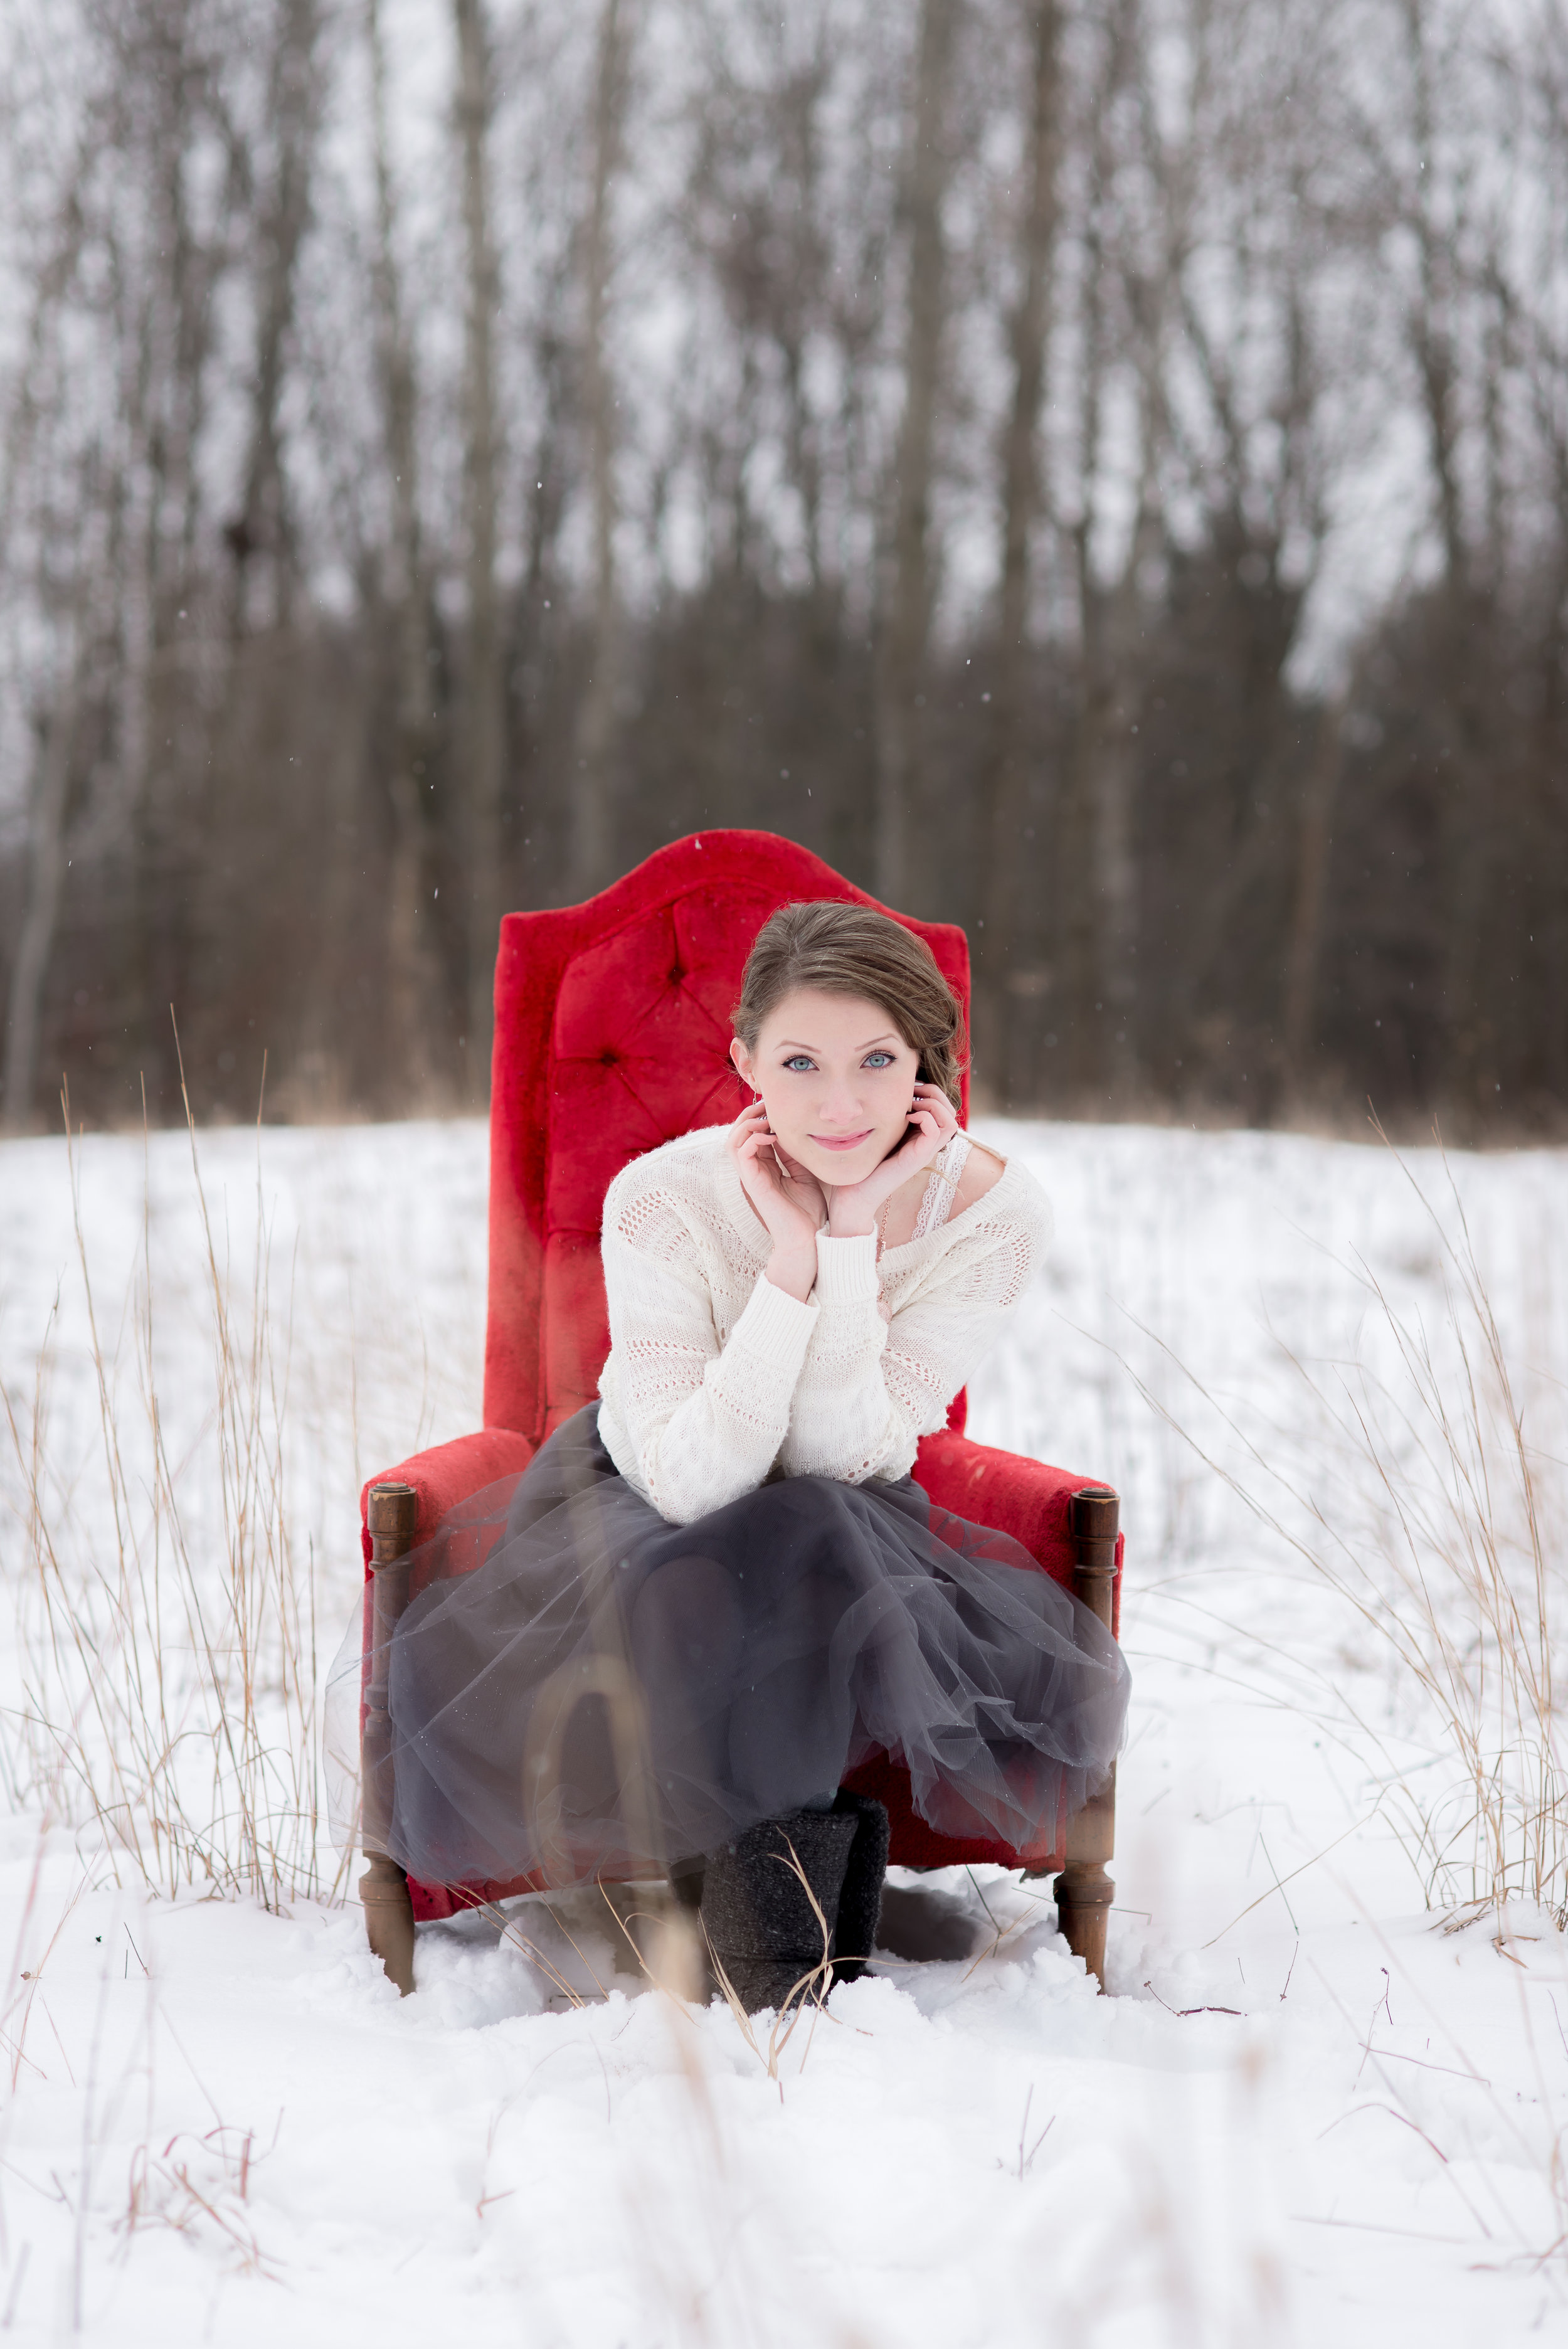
610,1692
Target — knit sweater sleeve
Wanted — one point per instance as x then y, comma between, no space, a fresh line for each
706,1420
872,1386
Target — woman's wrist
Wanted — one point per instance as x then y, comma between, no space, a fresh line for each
853,1213
794,1270
851,1223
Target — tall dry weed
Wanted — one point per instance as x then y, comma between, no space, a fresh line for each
1425,1482
168,1643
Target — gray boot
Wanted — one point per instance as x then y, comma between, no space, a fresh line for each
759,1919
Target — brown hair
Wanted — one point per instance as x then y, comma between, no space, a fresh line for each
841,950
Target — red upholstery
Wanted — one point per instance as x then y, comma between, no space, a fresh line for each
612,1035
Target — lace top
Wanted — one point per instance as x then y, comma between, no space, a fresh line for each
716,1380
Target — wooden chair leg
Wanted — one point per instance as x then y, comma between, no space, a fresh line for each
391,1515
1083,1889
389,1918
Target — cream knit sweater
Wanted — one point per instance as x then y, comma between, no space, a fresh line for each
714,1376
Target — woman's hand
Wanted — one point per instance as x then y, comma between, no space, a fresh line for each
790,1202
852,1208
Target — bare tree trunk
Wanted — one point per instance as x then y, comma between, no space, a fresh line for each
411,973
1097,864
1546,916
1027,332
264,525
168,324
48,792
1097,871
906,587
1310,900
1465,830
1115,858
41,907
801,139
482,730
590,855
1430,325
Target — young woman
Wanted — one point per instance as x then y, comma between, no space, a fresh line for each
718,1588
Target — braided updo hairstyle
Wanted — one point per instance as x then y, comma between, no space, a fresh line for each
840,949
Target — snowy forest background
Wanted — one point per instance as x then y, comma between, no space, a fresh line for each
1096,471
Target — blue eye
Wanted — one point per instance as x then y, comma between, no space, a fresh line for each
879,1061
799,1060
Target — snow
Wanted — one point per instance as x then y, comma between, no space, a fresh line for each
1309,2106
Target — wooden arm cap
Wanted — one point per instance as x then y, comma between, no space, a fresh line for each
1096,1514
392,1509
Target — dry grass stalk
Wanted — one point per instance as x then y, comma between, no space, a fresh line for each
168,1660
808,1994
199,2187
1426,1509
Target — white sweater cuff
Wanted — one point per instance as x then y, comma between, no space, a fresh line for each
775,1326
846,1269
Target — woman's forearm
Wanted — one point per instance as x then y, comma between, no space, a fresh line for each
706,1425
842,1422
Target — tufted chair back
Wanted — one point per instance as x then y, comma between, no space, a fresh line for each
612,1035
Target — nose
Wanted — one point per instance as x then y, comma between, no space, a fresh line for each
841,1105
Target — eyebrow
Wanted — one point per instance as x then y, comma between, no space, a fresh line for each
785,1044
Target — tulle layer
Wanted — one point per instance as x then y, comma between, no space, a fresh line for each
608,1692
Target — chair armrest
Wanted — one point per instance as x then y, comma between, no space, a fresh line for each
450,1472
1018,1496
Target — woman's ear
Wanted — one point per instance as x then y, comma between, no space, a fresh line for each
742,1058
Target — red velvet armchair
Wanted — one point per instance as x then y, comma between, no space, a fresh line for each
612,1035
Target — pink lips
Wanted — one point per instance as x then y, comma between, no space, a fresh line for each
849,1142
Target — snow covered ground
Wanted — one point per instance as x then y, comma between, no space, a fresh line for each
1311,2108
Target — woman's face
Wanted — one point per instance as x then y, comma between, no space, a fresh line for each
837,1079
